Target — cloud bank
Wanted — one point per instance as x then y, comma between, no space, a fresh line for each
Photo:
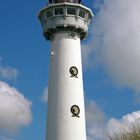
15,109
116,35
99,128
116,47
126,122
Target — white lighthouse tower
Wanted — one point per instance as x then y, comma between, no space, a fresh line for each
65,24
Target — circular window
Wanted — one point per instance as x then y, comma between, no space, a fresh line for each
73,71
75,110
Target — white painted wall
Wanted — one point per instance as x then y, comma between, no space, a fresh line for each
64,90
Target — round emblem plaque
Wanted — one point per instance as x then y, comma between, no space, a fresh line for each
75,110
73,71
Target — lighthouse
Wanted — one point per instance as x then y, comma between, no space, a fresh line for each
65,24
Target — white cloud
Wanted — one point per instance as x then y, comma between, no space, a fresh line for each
93,113
8,72
98,128
95,120
85,55
15,109
45,95
116,46
116,35
126,122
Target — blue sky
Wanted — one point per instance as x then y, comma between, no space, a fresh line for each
110,62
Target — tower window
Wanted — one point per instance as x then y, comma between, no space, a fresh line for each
71,11
43,22
82,13
59,11
49,13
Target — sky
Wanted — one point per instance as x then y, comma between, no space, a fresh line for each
111,69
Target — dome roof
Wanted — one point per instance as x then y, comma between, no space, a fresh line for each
60,1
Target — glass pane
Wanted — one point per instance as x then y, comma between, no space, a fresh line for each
43,20
49,13
71,11
82,13
59,11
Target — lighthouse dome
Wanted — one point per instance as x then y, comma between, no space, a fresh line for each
60,1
